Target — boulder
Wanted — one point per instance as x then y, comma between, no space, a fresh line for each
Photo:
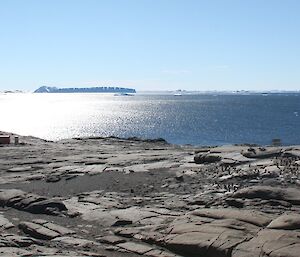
286,221
291,195
201,158
33,203
23,202
48,206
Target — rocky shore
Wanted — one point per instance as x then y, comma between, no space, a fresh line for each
117,197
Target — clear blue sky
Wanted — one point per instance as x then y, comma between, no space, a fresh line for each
150,44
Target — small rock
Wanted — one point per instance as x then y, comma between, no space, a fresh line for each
53,179
135,247
121,222
179,177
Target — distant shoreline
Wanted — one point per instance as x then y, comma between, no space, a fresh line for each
45,89
161,92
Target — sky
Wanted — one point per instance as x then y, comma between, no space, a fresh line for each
150,44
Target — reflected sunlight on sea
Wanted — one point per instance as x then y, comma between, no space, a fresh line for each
187,119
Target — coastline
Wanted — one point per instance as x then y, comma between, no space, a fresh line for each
122,197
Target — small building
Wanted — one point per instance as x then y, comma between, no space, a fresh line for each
4,139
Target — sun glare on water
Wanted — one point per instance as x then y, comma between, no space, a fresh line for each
47,116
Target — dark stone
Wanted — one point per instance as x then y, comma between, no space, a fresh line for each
46,206
235,202
206,158
122,223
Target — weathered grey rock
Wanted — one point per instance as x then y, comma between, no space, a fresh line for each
162,211
271,243
286,221
111,239
4,242
261,153
53,178
191,235
127,232
38,231
291,195
292,153
5,223
136,247
160,253
21,241
6,195
207,240
59,229
45,231
250,216
20,169
22,203
127,216
30,202
73,241
48,206
13,252
179,177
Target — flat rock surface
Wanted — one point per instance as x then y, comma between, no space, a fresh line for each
120,197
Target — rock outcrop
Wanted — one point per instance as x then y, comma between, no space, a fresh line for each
125,198
33,203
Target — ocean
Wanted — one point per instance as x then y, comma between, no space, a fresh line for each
187,119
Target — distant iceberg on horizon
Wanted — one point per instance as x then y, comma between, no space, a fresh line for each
45,89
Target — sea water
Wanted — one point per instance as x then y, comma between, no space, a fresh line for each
187,119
